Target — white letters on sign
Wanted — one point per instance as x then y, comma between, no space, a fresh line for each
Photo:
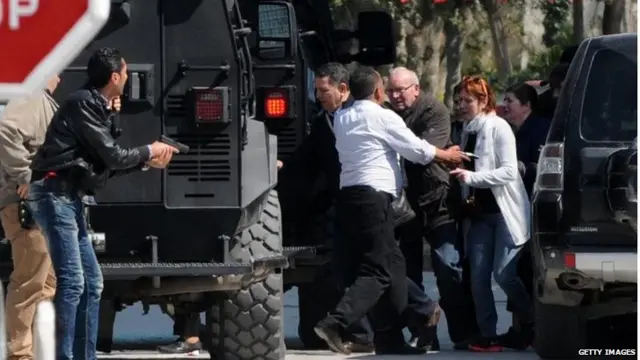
18,9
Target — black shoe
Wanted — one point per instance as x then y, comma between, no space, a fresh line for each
461,345
517,339
484,344
331,336
181,347
428,335
402,349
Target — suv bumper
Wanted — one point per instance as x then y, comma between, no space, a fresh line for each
559,284
609,267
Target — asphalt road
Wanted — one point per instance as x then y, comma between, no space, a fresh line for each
135,331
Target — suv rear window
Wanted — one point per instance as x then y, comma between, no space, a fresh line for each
610,108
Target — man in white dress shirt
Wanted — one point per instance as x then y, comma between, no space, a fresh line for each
369,140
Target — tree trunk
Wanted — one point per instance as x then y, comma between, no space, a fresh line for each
612,17
454,44
498,37
578,21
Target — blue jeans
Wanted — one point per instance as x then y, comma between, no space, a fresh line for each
491,250
79,287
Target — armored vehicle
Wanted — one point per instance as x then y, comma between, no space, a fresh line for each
285,101
584,239
206,234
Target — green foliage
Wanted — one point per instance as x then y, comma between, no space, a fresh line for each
555,17
542,62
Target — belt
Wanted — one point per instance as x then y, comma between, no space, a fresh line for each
57,181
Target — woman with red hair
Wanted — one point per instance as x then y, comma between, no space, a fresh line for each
496,211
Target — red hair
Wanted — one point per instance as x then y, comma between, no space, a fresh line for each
479,88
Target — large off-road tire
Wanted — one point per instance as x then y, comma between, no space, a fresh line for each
560,331
247,324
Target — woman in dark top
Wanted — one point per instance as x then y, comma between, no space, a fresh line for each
520,105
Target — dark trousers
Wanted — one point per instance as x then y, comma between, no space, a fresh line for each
418,311
376,272
447,260
187,325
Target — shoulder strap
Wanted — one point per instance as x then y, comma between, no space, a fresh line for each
329,124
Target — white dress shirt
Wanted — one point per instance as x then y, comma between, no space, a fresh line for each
369,139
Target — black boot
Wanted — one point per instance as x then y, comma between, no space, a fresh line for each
330,332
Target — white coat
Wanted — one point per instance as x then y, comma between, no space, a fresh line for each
497,168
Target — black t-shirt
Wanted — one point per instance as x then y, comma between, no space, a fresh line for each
483,197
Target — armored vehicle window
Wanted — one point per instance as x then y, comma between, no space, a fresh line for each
610,108
273,23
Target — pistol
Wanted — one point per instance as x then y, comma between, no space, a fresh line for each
182,148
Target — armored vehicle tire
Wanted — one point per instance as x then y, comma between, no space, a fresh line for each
247,324
560,331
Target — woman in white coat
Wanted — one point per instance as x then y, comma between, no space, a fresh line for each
496,208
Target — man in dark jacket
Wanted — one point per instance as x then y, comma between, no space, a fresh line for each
316,157
428,191
78,156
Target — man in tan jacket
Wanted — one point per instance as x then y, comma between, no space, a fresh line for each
23,125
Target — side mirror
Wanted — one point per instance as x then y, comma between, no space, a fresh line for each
376,40
277,31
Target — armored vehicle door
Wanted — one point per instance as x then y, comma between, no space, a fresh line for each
127,30
187,80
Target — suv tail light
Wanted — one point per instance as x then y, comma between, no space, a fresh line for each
209,105
550,171
276,103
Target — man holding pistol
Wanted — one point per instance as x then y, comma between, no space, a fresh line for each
77,158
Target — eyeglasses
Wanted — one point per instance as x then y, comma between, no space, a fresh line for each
399,91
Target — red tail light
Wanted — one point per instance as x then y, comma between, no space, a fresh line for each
570,260
276,104
210,105
550,171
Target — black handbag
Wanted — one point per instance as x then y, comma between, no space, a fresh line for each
402,211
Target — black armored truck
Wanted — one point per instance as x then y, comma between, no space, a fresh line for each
584,237
206,234
286,103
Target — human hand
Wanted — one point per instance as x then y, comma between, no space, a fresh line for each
23,190
116,104
161,149
279,164
161,161
522,168
452,155
461,174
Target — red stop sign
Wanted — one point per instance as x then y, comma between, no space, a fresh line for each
39,38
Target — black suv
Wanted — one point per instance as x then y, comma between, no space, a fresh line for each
584,204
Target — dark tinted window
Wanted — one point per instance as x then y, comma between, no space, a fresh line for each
610,108
273,23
